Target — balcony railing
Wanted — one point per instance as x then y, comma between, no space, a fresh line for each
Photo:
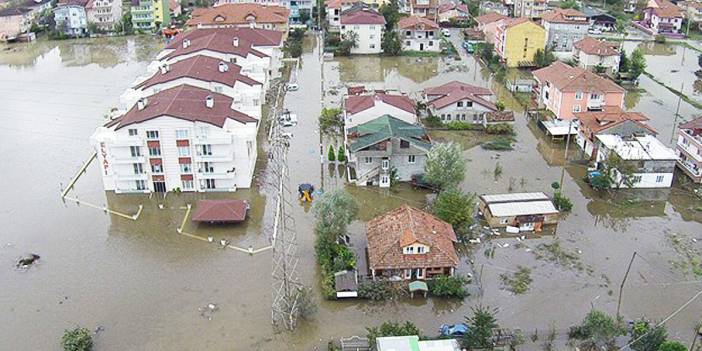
690,168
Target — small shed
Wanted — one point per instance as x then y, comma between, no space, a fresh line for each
558,129
355,343
528,211
497,117
346,284
221,211
418,286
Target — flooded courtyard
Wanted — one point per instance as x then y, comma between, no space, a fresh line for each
145,284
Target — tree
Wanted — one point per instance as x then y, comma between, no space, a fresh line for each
334,211
672,346
391,43
78,339
650,338
638,63
456,208
331,155
348,42
304,16
619,171
445,167
598,330
329,120
392,329
543,58
482,323
341,155
570,4
391,11
624,65
127,27
305,306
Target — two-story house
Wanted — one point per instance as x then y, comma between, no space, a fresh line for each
611,120
410,244
252,15
335,8
14,20
689,149
185,138
662,17
565,90
105,14
424,8
418,34
457,101
593,54
207,73
692,10
563,28
362,108
386,147
517,40
653,163
366,26
487,24
70,17
530,8
453,11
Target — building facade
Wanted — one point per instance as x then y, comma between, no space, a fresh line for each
70,17
14,21
452,11
530,8
457,101
662,17
517,40
689,149
563,28
596,55
487,24
418,34
105,14
653,162
526,211
162,13
253,15
424,8
142,12
359,109
367,26
611,120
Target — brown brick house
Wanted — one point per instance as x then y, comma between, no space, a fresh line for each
410,244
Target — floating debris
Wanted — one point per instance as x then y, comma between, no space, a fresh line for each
207,311
27,261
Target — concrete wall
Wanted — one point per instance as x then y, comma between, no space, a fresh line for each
529,36
420,40
399,158
369,37
561,36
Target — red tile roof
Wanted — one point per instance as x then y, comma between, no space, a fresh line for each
255,36
357,103
220,211
610,116
202,68
511,22
665,9
188,103
592,46
389,233
337,4
489,18
430,5
240,13
558,15
417,23
571,79
454,91
448,6
362,16
219,42
692,124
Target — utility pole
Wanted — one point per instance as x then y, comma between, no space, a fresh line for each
677,110
565,157
621,287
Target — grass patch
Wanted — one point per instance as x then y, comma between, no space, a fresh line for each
517,282
554,252
498,144
413,53
690,260
466,138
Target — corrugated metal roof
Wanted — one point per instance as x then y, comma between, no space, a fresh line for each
509,209
514,197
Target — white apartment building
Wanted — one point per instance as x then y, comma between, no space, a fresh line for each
185,138
530,8
418,34
458,101
654,162
367,25
207,73
360,109
104,13
591,54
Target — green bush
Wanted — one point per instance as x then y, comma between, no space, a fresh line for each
456,208
500,128
562,203
330,121
331,155
376,290
499,144
660,39
392,329
446,286
672,346
341,155
78,339
433,122
459,125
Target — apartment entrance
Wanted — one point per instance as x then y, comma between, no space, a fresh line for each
160,187
421,46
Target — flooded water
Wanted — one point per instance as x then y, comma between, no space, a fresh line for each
144,283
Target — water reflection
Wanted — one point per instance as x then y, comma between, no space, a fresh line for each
377,68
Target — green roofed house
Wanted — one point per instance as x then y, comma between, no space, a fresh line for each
383,147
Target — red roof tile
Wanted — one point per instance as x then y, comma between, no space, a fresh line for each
188,103
448,6
665,9
253,36
572,79
219,42
357,103
454,91
202,68
558,15
592,46
692,124
417,23
489,18
389,233
220,211
362,16
240,13
610,116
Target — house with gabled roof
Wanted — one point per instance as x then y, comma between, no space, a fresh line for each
566,90
487,24
662,17
252,15
563,28
367,25
410,244
418,34
452,10
458,101
590,53
386,147
611,120
362,108
517,40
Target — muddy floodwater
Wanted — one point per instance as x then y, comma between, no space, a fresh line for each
147,285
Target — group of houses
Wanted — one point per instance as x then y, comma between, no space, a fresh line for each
190,123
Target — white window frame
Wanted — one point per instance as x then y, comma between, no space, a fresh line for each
152,134
184,151
576,108
411,159
578,95
181,134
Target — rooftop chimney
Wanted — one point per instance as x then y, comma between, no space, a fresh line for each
223,67
165,68
209,101
186,43
141,104
235,41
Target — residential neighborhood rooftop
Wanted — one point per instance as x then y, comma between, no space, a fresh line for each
518,204
692,124
227,210
362,16
416,22
592,46
568,78
218,42
383,128
252,36
454,91
559,15
239,13
357,103
490,17
202,68
664,9
610,116
638,148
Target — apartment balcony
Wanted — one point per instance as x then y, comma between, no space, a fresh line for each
200,157
595,105
691,170
214,140
216,175
128,159
132,176
695,139
689,152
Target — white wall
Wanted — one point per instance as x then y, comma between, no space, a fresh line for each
369,37
376,111
419,40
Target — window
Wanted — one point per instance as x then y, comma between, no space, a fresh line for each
404,144
578,95
356,27
594,96
138,169
448,116
420,249
371,36
155,151
408,33
152,134
659,179
232,59
409,249
157,168
207,167
135,150
469,103
372,27
443,117
209,184
187,184
181,134
576,108
218,89
249,148
411,158
407,43
504,221
140,185
132,132
186,168
459,104
635,179
206,150
431,43
372,46
385,164
183,151
368,160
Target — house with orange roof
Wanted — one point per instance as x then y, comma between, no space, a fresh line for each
487,24
334,10
367,25
517,40
410,244
594,54
611,120
563,28
418,34
530,8
449,11
458,101
424,8
362,108
662,17
273,17
566,90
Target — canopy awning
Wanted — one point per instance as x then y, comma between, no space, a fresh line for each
220,211
418,286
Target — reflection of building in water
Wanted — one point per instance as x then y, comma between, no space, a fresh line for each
378,69
76,55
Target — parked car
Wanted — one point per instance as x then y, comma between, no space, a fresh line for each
287,118
468,46
292,87
453,329
446,32
594,31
